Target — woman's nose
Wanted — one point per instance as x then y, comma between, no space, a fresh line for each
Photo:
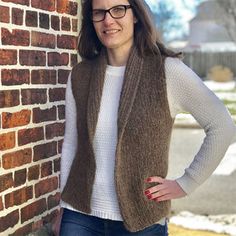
108,19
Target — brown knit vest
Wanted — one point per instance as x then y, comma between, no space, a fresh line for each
144,131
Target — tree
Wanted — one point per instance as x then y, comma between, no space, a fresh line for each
229,16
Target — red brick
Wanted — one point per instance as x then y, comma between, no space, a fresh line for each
15,77
44,151
16,37
43,77
22,2
59,146
11,120
55,22
32,58
63,76
61,112
18,197
19,177
18,158
7,141
46,169
21,231
48,5
73,59
32,210
57,165
57,59
17,16
53,200
65,6
43,20
66,41
1,204
51,217
33,173
65,23
44,115
74,25
39,39
37,225
55,130
4,14
8,57
34,96
57,94
46,186
6,182
9,220
26,136
31,18
9,98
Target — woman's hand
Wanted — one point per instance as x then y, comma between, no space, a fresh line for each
57,223
164,190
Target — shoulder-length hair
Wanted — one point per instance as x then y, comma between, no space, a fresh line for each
145,33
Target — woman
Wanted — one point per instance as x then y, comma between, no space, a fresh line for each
121,101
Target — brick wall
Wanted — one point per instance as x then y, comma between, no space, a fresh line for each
37,50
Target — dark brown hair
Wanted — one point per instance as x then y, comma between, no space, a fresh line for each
145,34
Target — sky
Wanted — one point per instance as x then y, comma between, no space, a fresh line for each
186,13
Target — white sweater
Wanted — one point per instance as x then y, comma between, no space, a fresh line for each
185,92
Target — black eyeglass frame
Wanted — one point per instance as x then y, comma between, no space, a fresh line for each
126,7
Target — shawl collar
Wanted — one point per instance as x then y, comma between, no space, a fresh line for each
131,81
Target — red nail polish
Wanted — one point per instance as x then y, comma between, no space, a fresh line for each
149,196
147,192
149,179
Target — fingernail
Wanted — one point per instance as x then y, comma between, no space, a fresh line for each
149,196
149,179
147,192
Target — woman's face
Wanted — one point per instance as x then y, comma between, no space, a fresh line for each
116,34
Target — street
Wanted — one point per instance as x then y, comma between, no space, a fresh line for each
218,194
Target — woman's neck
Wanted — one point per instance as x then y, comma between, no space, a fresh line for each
118,57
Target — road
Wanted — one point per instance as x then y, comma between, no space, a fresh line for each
218,194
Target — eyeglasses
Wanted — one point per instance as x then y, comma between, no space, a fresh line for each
115,12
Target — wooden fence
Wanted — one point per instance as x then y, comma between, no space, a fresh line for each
202,62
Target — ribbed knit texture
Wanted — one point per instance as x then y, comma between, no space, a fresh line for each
104,200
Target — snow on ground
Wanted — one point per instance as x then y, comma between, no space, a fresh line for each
218,224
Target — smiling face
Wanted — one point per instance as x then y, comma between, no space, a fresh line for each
115,34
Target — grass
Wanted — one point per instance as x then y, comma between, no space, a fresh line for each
180,231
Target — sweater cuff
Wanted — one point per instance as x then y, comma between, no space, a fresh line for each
187,184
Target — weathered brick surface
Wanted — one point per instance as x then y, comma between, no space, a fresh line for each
11,120
61,112
39,39
4,14
18,197
15,77
1,204
74,25
8,57
43,77
65,6
55,130
57,59
44,20
33,173
63,76
56,164
46,186
66,41
32,210
73,59
33,96
55,22
9,220
6,182
65,22
59,146
31,18
53,200
25,230
17,16
9,98
48,5
15,37
44,115
57,94
46,169
32,58
19,177
22,2
26,136
44,151
16,159
7,141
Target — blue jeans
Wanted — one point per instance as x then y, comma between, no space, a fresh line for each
78,224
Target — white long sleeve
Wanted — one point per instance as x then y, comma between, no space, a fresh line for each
186,92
